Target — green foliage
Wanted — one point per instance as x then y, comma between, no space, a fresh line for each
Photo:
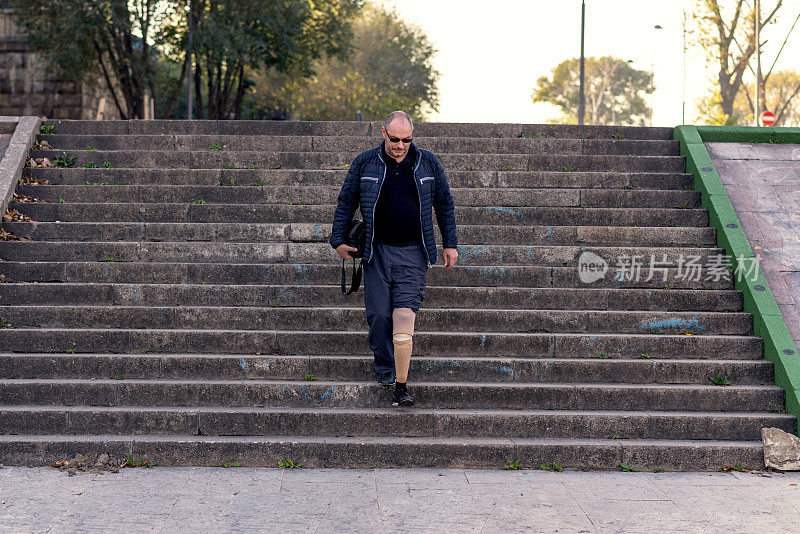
615,91
46,129
229,463
289,464
64,160
626,468
5,324
511,466
720,380
117,42
199,202
310,377
552,467
391,68
236,38
89,165
106,165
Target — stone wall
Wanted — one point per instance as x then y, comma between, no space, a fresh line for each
26,88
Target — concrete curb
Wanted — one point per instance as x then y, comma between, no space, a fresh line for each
14,160
768,323
747,134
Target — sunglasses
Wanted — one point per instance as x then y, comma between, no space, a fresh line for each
406,140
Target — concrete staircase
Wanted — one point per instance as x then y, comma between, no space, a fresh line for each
171,301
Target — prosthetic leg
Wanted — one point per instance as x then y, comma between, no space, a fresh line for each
402,338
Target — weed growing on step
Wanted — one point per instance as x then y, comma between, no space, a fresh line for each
511,466
199,202
5,324
64,160
232,182
130,462
565,168
626,187
61,201
109,260
736,467
106,165
290,464
70,351
112,182
619,137
666,286
658,470
215,148
228,167
626,468
229,463
118,378
90,148
587,136
645,356
310,377
602,356
259,184
615,436
254,167
720,380
46,129
90,165
508,169
552,467
776,409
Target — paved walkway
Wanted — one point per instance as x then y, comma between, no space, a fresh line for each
763,183
395,500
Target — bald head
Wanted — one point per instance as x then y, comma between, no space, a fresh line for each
398,115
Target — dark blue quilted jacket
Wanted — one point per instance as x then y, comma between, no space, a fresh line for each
363,185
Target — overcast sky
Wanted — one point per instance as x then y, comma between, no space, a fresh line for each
492,52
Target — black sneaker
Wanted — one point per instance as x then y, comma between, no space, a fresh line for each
386,378
402,398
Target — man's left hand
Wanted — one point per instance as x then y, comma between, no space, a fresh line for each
450,257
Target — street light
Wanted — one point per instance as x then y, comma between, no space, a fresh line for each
580,91
683,95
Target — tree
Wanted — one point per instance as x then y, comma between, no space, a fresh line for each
391,68
235,38
780,95
728,35
615,91
114,40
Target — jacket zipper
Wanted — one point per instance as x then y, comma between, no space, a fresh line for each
372,236
419,196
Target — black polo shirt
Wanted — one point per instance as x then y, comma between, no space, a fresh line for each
397,218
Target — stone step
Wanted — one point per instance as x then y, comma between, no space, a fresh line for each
340,160
423,369
194,293
298,177
263,213
353,394
504,276
537,345
487,369
420,422
291,195
374,451
350,144
308,232
344,128
25,314
300,253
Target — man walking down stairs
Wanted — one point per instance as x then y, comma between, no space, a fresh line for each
396,186
173,297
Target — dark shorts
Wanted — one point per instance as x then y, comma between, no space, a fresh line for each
396,273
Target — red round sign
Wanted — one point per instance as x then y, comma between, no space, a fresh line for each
768,118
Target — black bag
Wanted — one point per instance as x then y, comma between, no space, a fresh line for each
356,237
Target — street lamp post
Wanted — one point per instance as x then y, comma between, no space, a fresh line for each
683,92
580,91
